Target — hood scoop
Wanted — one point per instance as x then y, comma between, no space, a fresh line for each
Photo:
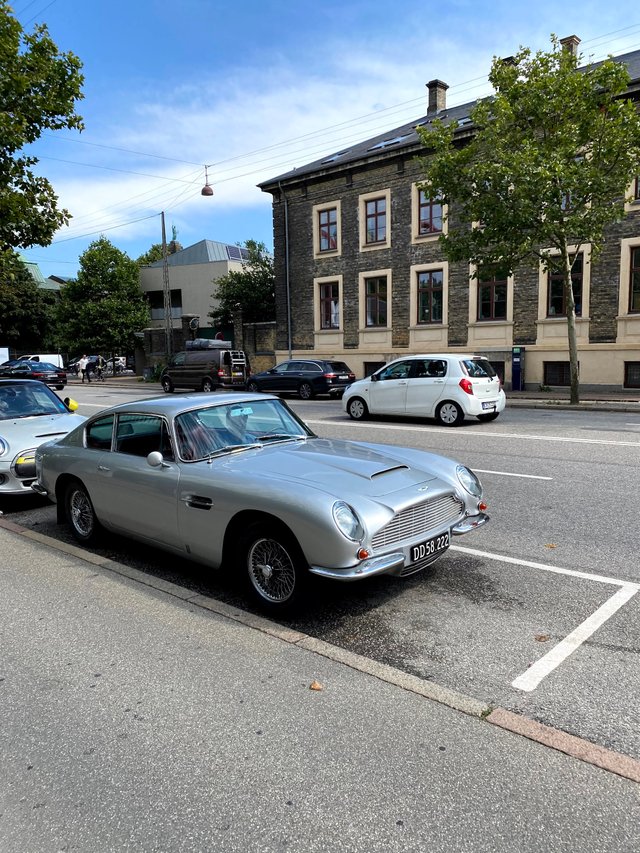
389,470
51,434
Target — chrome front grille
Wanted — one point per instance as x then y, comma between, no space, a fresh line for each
419,520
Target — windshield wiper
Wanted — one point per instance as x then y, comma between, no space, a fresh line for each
279,436
230,448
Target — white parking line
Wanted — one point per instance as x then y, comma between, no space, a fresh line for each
530,679
509,474
484,433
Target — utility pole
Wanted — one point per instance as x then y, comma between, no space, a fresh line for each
167,292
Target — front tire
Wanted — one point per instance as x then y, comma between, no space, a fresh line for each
274,567
80,514
167,385
305,391
252,387
491,416
450,414
357,409
207,386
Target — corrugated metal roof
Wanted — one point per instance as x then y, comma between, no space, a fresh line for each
204,252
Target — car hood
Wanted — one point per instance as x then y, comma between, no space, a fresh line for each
336,466
31,431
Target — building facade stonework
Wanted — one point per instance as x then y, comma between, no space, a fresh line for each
361,275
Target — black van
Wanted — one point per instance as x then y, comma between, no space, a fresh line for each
206,365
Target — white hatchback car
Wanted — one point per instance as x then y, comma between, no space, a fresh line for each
446,387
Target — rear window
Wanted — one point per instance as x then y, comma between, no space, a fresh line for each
477,367
338,367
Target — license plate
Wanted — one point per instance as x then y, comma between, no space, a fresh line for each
343,377
433,546
488,405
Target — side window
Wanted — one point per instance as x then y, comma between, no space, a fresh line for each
139,435
312,367
98,433
178,359
400,370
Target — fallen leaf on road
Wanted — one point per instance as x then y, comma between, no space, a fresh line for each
550,545
542,638
315,685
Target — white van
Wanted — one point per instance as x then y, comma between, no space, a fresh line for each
49,358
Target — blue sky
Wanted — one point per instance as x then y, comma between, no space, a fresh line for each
253,89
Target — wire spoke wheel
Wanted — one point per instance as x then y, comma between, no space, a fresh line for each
271,570
80,514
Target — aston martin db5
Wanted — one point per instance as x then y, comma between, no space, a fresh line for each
238,480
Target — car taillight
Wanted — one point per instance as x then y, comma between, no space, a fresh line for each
330,375
352,376
221,372
466,386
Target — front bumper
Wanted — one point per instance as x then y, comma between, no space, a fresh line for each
396,563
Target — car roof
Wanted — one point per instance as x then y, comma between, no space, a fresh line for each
458,355
35,383
170,405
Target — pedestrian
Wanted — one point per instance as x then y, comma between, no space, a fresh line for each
99,368
83,365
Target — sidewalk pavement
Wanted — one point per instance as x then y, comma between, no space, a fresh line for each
249,735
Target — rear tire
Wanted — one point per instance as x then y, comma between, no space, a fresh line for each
252,387
167,385
305,391
491,416
274,568
357,409
207,386
80,514
449,414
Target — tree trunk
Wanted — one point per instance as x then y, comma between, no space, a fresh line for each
574,398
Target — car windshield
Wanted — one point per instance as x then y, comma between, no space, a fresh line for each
25,401
214,430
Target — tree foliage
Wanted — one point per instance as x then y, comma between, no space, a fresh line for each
102,309
39,87
251,289
26,311
545,170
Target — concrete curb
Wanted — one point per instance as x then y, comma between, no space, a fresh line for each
576,747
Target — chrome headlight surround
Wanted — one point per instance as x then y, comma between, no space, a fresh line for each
4,446
347,521
469,481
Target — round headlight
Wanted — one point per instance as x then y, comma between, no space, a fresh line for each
469,480
3,446
347,521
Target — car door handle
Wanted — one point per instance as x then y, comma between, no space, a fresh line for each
198,502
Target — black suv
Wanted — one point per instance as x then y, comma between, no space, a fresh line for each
303,377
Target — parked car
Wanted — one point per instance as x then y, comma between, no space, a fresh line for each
206,365
239,480
30,413
40,370
447,387
305,377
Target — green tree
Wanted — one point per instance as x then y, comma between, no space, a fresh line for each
153,254
39,87
544,172
26,311
102,309
252,289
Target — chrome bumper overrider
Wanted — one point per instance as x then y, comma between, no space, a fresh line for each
39,489
391,564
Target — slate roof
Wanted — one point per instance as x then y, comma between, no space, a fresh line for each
405,138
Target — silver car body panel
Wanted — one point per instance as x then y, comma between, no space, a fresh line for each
402,496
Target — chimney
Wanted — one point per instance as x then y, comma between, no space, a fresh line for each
571,43
437,97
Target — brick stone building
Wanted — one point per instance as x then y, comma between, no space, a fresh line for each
361,276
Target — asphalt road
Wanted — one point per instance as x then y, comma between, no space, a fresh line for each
537,612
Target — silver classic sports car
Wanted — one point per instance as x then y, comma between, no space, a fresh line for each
239,480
